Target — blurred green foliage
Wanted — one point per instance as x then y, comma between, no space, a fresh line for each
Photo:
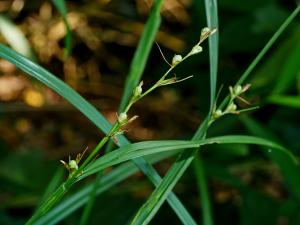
246,187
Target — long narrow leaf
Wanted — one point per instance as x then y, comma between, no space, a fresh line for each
88,110
151,147
211,11
142,53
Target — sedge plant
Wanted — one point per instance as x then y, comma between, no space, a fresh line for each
83,166
75,168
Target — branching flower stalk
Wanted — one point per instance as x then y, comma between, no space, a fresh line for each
231,107
122,120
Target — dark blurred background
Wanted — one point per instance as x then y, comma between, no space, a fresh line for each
38,127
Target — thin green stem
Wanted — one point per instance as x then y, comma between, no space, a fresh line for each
96,150
269,44
262,53
158,83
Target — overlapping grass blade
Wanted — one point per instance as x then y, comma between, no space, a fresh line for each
151,147
62,8
175,172
149,209
72,203
186,157
86,108
57,85
211,11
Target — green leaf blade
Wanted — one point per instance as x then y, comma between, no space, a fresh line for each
142,52
152,147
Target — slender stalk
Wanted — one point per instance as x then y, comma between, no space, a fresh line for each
96,150
263,52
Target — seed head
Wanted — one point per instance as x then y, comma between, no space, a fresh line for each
176,59
196,49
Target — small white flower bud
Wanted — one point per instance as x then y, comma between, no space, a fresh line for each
238,90
73,165
138,90
205,31
176,59
231,108
217,114
122,118
196,49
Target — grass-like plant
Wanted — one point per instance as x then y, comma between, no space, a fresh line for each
84,165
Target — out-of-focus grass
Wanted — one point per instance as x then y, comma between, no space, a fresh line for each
240,183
